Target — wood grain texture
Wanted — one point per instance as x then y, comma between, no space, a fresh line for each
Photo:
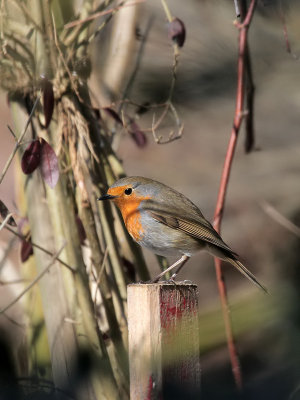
163,340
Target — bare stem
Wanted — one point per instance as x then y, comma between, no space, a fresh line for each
238,117
167,10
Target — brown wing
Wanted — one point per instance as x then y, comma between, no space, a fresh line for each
199,230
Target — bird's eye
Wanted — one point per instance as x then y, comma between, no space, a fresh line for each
128,191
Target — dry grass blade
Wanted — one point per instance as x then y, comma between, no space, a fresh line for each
280,219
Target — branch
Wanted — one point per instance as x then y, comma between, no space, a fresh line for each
238,117
172,135
22,237
38,277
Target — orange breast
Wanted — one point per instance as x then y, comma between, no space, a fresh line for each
131,215
134,226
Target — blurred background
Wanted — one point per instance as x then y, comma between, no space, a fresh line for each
266,327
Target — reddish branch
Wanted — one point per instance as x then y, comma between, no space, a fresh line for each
243,71
285,33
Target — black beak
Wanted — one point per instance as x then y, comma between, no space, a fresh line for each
106,197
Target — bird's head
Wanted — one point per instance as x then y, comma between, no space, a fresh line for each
128,193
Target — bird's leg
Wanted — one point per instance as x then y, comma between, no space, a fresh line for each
180,262
179,268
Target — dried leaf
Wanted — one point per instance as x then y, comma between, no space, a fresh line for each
49,164
48,100
31,157
176,31
81,230
4,212
26,250
137,134
113,114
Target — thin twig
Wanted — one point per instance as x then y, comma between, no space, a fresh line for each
139,57
249,88
38,277
161,118
280,219
101,14
107,20
64,61
13,282
174,71
5,221
238,117
172,135
167,10
100,273
23,237
247,20
19,141
176,55
285,33
12,132
237,8
175,50
12,321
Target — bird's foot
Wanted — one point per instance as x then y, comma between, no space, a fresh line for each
172,280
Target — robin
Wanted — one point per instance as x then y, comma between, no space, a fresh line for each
169,224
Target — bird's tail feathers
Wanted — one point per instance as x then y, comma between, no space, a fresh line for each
243,270
231,258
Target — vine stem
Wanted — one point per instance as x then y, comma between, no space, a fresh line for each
238,117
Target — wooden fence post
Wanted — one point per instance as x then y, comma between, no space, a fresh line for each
163,341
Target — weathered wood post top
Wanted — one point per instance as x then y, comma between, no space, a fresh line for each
163,341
